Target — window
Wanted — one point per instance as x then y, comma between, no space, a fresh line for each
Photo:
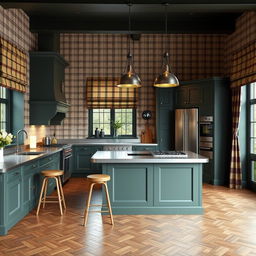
4,109
252,129
103,118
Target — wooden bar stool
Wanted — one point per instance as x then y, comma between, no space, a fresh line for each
51,174
97,179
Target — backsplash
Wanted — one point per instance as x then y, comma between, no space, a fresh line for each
192,57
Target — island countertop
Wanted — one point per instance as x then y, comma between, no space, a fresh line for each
143,157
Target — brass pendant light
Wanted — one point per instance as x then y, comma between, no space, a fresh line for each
166,79
129,78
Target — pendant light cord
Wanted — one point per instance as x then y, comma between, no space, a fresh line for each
166,25
129,27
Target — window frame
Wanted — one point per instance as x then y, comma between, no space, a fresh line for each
112,116
251,157
7,102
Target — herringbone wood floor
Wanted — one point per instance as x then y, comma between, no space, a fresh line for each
228,227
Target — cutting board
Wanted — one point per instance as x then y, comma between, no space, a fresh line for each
147,135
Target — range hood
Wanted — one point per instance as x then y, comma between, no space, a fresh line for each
48,104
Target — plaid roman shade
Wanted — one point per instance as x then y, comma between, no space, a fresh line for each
103,93
243,67
13,67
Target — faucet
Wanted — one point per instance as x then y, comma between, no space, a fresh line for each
17,138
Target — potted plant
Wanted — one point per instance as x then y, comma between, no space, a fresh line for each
5,139
116,125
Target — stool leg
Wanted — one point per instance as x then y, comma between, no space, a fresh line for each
88,204
108,201
45,191
40,198
59,196
62,194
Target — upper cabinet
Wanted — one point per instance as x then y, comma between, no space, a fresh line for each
47,99
189,96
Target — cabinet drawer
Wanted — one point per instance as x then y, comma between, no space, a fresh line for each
88,148
14,174
48,159
30,166
144,148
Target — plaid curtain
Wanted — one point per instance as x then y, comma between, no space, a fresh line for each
13,67
235,178
103,93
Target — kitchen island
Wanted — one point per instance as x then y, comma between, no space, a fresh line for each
144,184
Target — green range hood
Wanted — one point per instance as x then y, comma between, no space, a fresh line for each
48,104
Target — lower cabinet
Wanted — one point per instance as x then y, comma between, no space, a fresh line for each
131,185
155,188
174,185
20,189
82,165
13,200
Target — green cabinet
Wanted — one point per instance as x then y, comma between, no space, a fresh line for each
189,96
165,118
212,98
29,184
20,188
144,148
13,203
82,165
174,185
130,185
152,188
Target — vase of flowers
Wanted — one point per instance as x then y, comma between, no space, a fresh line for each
5,139
116,126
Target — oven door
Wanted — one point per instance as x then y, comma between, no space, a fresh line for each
206,129
66,167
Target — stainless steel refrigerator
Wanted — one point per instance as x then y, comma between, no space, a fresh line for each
186,129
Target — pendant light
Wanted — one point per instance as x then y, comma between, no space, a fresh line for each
166,79
129,78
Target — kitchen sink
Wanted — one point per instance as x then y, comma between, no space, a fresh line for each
31,153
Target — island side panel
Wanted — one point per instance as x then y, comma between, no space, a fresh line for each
155,188
178,185
131,185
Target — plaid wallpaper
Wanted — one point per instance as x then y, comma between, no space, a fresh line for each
99,55
14,27
240,49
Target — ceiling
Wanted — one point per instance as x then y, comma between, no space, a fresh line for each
111,16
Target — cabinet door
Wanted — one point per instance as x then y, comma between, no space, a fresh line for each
28,188
182,97
14,197
82,160
195,96
177,185
29,172
165,118
130,184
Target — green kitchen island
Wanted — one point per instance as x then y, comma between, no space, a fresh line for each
144,184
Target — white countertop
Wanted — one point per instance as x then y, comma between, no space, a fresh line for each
123,157
14,160
106,142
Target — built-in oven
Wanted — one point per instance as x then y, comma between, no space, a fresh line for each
65,163
206,136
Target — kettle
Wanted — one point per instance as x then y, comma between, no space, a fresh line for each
46,141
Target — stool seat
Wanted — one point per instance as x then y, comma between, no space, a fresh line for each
52,173
98,178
